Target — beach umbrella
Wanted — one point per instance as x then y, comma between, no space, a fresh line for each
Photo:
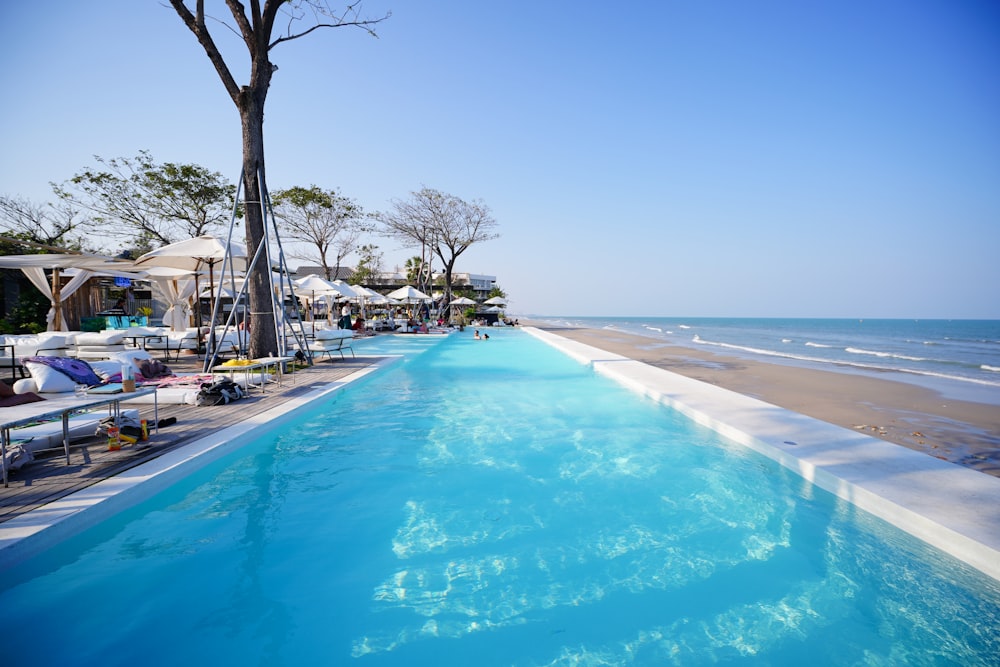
315,284
408,294
496,301
196,254
343,289
462,301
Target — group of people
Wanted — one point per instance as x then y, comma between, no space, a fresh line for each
485,336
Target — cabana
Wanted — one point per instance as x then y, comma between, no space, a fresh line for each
34,267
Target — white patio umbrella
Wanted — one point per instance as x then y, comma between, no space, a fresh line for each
345,290
496,301
196,254
314,284
409,295
462,301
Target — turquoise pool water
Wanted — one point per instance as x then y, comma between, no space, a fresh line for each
494,503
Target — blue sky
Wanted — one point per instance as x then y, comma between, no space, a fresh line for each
730,158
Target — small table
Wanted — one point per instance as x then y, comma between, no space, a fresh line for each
261,365
22,415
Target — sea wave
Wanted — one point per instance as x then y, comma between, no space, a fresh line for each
987,367
786,340
812,344
884,355
848,364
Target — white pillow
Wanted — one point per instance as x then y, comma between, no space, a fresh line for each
133,357
24,386
48,379
105,369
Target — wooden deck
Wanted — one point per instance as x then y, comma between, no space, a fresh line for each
50,478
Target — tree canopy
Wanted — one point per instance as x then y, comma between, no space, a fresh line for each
324,220
442,223
156,203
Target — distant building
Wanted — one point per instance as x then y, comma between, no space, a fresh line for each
343,273
481,284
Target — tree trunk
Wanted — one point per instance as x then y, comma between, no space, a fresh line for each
448,268
262,332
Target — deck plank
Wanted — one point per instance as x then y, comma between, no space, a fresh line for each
51,478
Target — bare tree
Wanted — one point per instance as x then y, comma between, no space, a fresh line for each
442,223
43,224
157,203
255,25
323,219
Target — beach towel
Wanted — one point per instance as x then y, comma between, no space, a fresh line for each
75,369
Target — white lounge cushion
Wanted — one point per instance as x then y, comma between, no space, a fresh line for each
97,351
91,338
333,334
48,380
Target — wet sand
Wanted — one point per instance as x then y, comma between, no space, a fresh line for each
963,432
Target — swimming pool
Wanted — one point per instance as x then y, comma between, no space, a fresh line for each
494,502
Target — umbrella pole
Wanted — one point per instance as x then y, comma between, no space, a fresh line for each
211,295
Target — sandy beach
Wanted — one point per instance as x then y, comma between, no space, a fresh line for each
962,432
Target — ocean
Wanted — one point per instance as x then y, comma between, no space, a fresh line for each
959,358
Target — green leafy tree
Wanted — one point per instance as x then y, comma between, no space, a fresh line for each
323,219
417,271
255,24
442,223
369,265
156,203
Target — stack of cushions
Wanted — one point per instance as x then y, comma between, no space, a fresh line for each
100,345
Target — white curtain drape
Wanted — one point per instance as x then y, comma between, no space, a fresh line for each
36,275
178,294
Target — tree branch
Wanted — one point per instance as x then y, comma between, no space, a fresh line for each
197,26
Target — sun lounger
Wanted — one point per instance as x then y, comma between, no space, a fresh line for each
328,341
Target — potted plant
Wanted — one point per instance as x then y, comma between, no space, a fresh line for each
144,313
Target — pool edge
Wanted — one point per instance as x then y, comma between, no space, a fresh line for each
32,532
952,508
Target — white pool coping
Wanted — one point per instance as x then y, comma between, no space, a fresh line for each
31,533
953,508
